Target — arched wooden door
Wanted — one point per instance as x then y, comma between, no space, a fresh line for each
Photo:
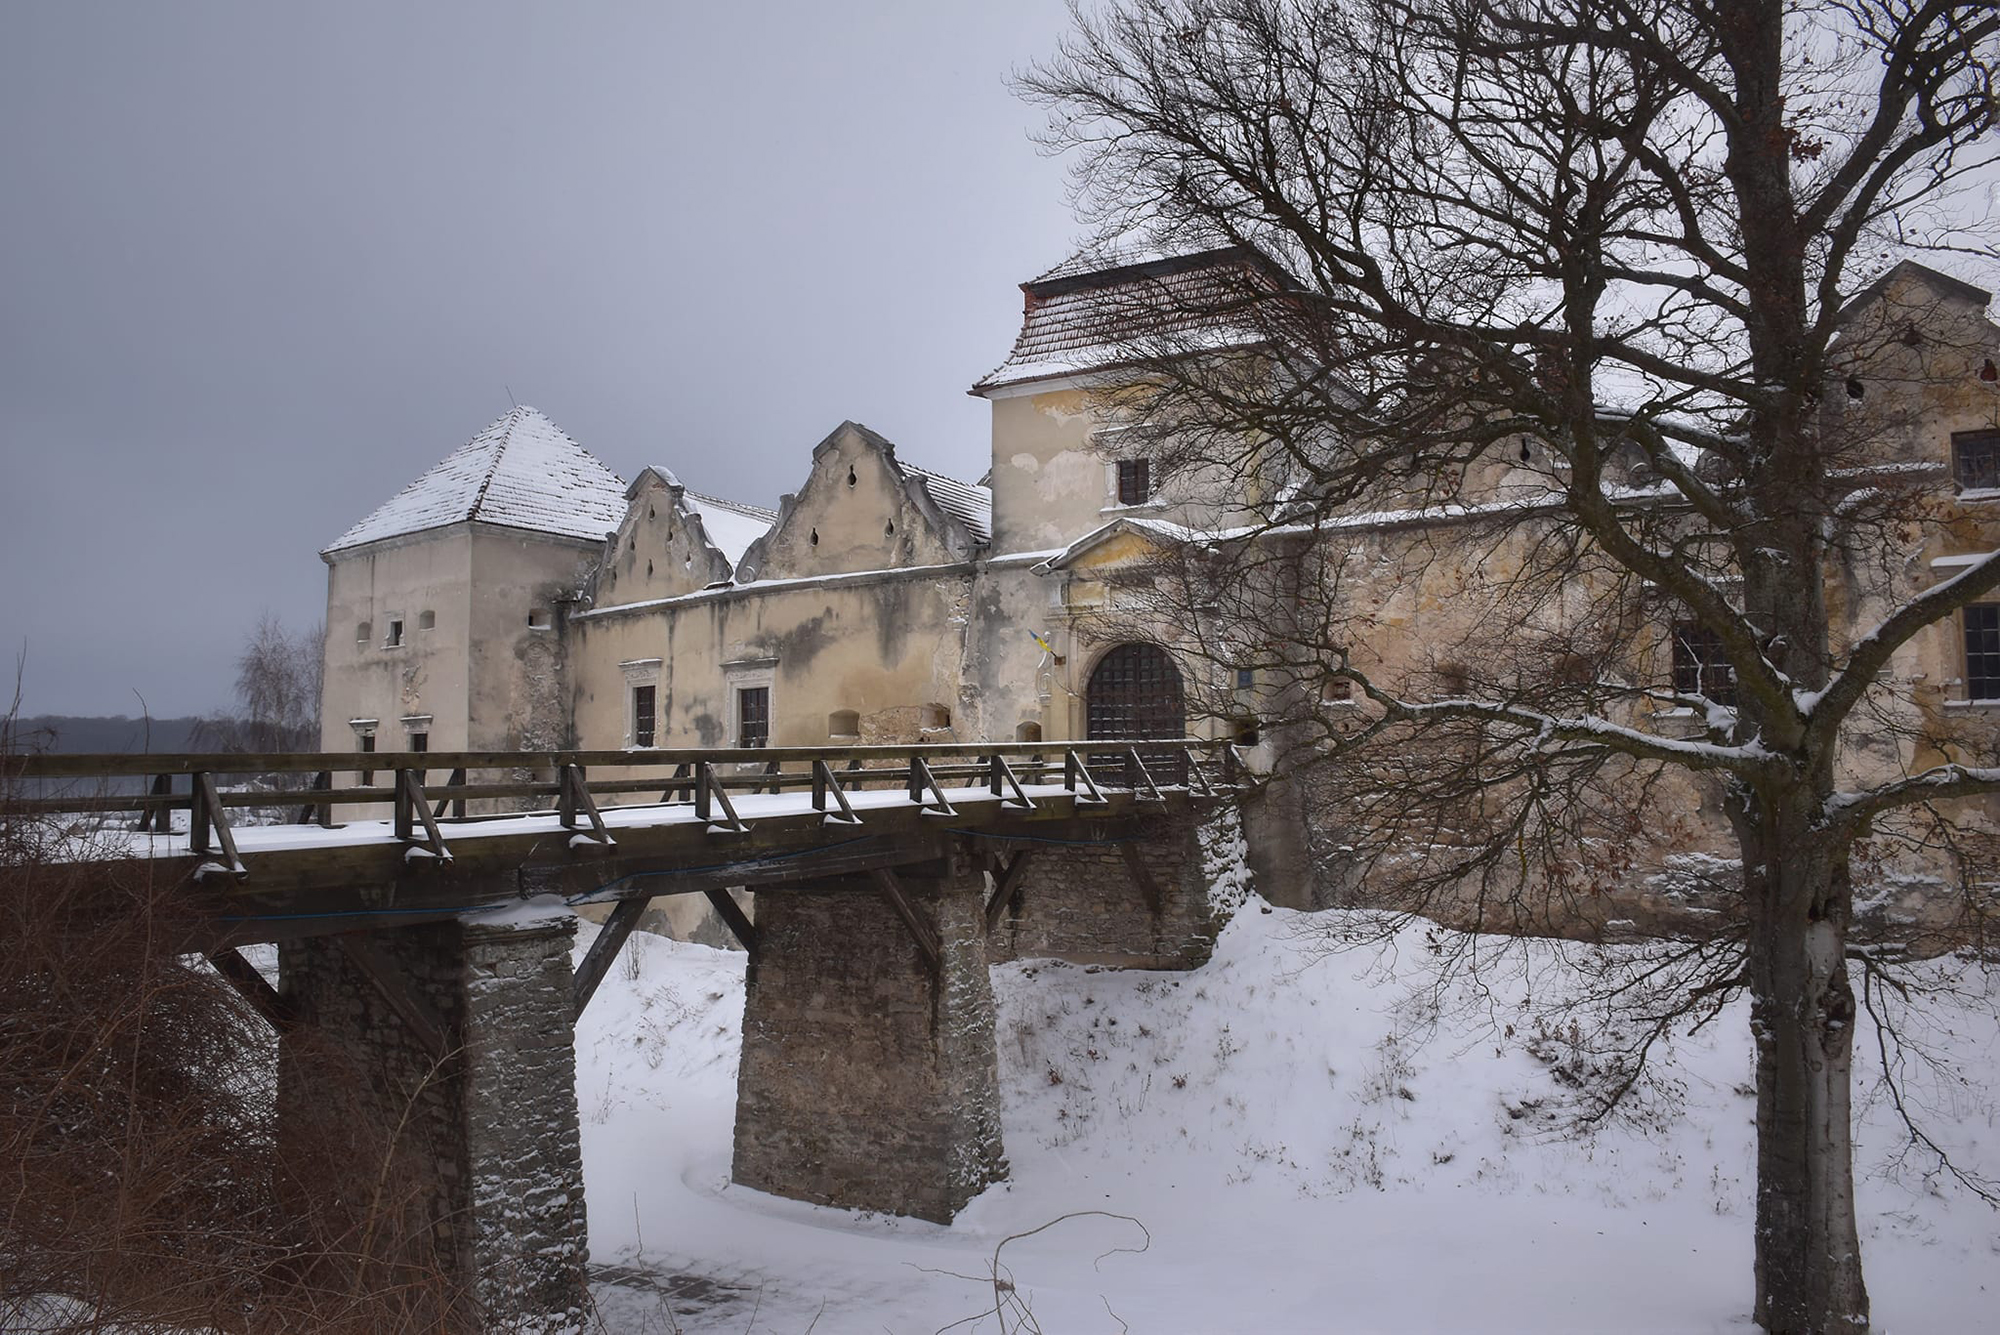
1134,691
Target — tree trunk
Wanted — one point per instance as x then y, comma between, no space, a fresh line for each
1808,1252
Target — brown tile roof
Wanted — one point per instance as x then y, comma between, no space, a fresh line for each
1086,314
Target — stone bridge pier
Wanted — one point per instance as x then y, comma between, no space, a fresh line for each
434,1077
869,1077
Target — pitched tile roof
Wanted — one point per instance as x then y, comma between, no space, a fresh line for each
521,472
970,504
1082,316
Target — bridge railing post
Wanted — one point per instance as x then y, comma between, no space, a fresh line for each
198,816
159,818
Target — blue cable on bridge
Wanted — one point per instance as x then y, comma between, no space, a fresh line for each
369,913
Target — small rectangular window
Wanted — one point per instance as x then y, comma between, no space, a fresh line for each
540,618
366,741
420,741
1975,460
642,715
364,631
395,635
1245,678
1982,651
1700,667
1135,481
753,716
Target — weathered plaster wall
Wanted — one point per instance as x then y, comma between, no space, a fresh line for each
519,686
1048,478
878,647
852,513
428,673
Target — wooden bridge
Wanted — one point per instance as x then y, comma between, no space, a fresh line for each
431,934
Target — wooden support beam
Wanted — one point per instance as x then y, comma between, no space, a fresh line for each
1138,780
1002,777
922,932
708,790
205,814
1143,875
318,813
596,962
1076,778
921,779
575,799
160,818
825,783
412,809
415,1012
242,975
1007,887
681,787
457,804
731,913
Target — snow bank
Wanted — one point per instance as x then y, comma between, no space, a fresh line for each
1308,1143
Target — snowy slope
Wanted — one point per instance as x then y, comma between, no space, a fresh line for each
1313,1144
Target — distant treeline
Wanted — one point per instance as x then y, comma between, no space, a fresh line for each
72,733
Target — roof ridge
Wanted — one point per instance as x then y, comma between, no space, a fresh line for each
759,511
512,418
947,477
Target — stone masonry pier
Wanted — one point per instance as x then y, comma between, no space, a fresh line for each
448,1048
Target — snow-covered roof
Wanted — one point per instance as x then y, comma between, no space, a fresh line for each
522,472
731,526
1080,318
1910,269
970,504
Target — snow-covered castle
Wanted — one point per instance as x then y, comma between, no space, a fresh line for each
520,596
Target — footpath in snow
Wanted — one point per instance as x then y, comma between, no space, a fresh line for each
1309,1143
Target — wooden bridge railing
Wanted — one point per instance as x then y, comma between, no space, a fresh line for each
700,777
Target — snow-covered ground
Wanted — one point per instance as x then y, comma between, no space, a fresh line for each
1306,1143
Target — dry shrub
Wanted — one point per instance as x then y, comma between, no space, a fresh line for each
143,1180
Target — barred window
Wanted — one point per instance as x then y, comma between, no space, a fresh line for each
1700,667
643,698
1135,481
1982,651
753,716
1975,460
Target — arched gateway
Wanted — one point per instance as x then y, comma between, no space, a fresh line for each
1134,691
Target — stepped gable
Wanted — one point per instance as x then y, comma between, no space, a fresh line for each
727,526
521,472
927,516
1093,312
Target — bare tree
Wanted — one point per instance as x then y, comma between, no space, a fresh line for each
1562,306
278,678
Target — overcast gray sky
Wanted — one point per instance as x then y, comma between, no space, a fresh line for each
264,264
